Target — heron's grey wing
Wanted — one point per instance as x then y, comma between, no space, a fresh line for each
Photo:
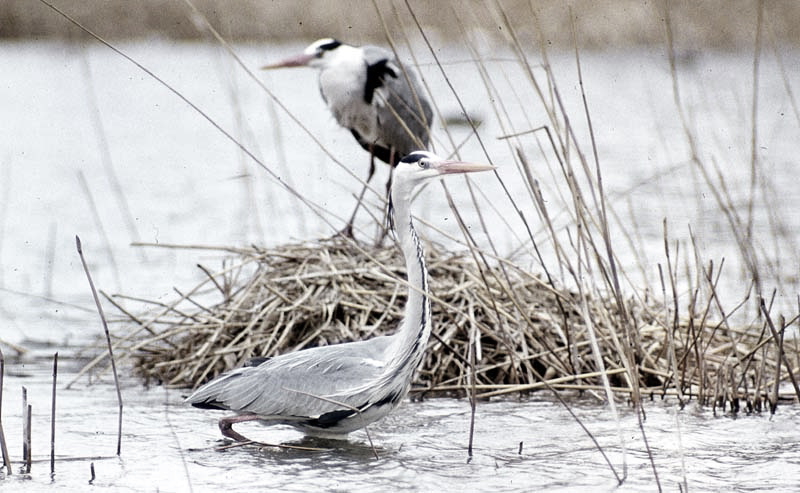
303,384
409,112
405,113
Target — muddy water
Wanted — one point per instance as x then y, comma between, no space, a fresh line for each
73,113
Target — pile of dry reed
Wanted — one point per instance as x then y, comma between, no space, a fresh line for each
526,334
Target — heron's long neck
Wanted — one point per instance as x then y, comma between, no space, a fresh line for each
410,341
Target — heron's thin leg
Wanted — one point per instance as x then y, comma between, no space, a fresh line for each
226,425
384,227
348,230
389,182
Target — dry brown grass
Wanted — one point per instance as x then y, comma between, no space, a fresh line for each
530,336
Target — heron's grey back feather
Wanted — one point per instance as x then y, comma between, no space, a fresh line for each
303,384
404,115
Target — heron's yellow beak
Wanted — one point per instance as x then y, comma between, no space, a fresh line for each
447,167
300,60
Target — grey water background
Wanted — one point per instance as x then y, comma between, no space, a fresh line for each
70,109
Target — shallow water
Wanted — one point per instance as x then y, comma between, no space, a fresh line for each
184,183
170,447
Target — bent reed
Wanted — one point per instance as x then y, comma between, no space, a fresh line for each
528,335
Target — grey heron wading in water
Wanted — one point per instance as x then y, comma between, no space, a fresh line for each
330,391
371,94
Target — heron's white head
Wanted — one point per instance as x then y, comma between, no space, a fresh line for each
318,55
422,166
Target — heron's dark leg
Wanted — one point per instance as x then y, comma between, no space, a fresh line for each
385,225
226,425
371,165
389,182
348,230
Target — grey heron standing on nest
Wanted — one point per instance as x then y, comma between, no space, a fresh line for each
371,94
330,391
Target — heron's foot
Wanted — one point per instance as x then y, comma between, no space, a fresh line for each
226,426
347,231
382,235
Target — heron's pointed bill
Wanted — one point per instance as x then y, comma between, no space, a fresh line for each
300,60
447,167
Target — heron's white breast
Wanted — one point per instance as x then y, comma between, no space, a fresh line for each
342,84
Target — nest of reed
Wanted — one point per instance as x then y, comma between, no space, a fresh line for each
521,333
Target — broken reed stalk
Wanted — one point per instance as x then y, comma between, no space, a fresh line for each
53,418
473,356
3,445
26,444
108,340
28,434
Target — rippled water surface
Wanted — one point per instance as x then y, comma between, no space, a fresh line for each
73,113
422,446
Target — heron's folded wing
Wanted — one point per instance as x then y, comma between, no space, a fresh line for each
303,384
405,113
